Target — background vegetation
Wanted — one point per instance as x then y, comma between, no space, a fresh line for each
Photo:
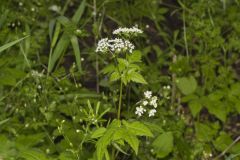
54,96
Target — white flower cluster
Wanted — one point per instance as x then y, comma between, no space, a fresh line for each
36,74
150,101
129,31
114,45
102,45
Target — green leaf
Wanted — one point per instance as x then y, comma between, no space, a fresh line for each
122,64
138,128
195,107
58,51
78,14
114,76
32,154
98,132
223,141
119,148
163,144
128,136
10,44
108,69
217,108
205,132
64,21
105,140
4,121
187,85
136,77
76,50
135,56
29,140
131,139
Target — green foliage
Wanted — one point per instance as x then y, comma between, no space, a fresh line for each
52,108
163,144
117,132
187,85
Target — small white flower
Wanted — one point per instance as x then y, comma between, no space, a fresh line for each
145,103
39,86
140,110
55,8
148,94
152,112
153,101
78,31
47,150
20,4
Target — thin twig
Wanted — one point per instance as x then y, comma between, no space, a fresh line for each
185,33
173,95
229,147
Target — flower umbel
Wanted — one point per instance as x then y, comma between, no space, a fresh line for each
128,31
102,45
114,45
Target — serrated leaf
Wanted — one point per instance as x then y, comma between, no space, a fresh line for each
119,148
135,56
108,69
136,77
122,64
132,140
33,154
217,108
163,144
98,132
205,132
187,85
138,128
115,76
195,107
105,140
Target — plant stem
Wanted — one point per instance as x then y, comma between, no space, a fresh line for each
185,33
229,147
120,101
95,43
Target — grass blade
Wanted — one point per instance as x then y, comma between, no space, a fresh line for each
58,51
10,44
79,12
76,50
4,121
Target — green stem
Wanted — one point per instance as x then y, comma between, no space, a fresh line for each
120,101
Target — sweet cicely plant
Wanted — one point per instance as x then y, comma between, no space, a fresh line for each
124,69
